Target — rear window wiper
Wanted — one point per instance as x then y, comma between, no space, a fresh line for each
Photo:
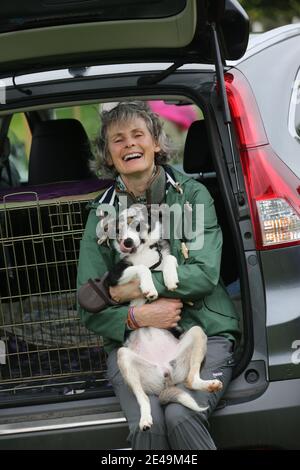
152,79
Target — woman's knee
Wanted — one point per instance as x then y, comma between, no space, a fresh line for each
158,427
176,414
153,438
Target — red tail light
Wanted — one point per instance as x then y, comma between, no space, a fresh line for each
273,189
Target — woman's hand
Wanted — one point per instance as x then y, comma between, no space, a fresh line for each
162,313
126,292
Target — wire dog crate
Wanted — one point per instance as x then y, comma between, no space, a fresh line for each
42,342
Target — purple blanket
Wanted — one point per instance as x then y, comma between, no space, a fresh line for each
53,190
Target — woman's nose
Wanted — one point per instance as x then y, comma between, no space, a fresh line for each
129,142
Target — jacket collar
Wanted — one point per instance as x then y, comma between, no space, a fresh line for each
155,194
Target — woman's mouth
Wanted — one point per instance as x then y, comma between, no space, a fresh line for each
132,156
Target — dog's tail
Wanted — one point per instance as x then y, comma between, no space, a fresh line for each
176,395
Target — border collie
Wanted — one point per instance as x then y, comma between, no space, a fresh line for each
153,360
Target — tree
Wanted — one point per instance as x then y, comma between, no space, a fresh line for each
272,13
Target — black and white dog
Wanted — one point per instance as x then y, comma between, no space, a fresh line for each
153,360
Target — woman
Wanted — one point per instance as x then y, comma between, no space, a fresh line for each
134,148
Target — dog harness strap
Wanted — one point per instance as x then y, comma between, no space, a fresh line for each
155,265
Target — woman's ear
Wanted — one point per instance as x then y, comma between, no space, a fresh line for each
109,160
157,148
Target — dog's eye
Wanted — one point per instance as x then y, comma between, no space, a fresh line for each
138,227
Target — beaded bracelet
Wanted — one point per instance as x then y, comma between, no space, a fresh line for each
131,321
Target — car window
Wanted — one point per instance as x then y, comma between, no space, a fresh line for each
19,135
88,115
176,119
294,114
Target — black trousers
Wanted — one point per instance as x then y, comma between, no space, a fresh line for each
175,426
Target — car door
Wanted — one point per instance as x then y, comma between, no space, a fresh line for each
55,33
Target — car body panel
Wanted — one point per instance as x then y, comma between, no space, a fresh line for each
273,418
180,36
281,270
273,84
265,73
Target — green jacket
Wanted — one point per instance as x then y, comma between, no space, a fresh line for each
198,274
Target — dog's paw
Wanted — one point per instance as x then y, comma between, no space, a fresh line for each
152,295
146,422
214,385
195,383
149,291
171,280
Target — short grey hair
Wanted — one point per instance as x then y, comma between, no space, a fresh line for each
123,112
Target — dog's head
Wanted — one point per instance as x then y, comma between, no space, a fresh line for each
132,230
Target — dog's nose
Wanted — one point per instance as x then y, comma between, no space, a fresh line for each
128,242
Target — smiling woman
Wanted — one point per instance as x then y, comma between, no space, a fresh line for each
130,131
131,149
134,147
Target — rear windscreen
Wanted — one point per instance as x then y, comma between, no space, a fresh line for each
17,14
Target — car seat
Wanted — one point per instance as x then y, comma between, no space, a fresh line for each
60,151
198,160
9,176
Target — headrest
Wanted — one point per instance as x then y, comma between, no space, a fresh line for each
6,149
197,155
60,151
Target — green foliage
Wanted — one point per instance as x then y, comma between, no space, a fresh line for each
272,13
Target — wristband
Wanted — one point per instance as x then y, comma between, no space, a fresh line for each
132,323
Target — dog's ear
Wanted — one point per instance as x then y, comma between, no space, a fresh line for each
105,227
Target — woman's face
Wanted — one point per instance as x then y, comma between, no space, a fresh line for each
131,147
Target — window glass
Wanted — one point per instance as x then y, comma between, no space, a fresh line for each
297,113
176,119
88,115
294,115
19,135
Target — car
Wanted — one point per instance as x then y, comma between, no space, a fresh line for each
60,63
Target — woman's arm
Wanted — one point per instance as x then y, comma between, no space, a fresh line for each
199,275
162,313
94,261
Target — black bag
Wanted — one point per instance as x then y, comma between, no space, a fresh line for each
93,295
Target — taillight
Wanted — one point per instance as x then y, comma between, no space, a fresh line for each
273,189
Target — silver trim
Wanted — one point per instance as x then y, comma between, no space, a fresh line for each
294,103
62,423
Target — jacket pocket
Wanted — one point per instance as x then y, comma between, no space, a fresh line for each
219,353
